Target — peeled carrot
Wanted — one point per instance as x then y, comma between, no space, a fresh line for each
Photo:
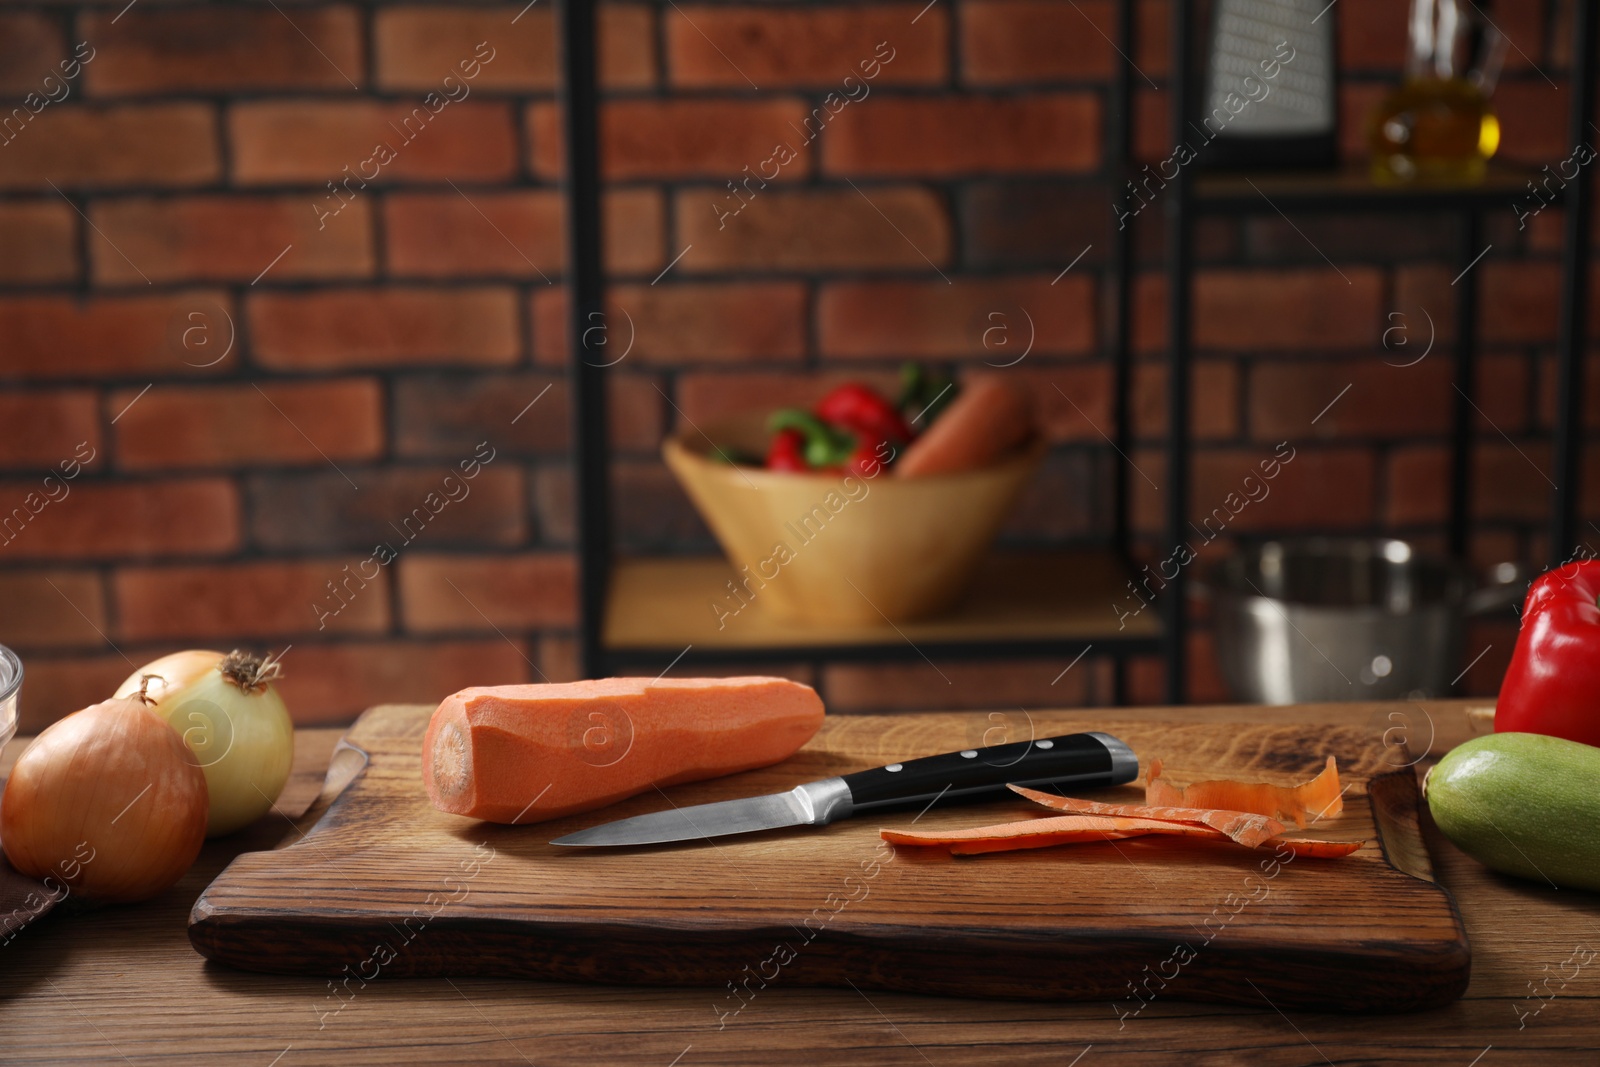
1321,797
985,421
524,753
1247,829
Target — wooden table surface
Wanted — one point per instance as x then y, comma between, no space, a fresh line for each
122,985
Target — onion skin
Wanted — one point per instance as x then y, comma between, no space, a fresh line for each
242,740
108,800
169,673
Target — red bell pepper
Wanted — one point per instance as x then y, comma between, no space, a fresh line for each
787,451
859,407
1553,684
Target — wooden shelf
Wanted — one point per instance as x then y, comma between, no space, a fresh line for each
1351,189
1020,601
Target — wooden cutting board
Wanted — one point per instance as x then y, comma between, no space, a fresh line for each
383,884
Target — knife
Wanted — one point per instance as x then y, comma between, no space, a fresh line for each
1084,760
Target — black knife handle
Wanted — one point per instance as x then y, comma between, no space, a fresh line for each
1081,760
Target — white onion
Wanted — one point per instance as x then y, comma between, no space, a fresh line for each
234,722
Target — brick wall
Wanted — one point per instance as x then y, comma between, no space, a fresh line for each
260,343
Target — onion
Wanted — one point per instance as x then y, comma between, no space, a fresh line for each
108,800
234,722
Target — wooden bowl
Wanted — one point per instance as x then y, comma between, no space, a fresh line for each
822,548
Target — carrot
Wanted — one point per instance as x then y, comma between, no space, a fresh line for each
1042,833
525,753
988,419
1245,828
1308,846
1321,796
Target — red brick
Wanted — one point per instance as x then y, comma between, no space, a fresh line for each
52,609
516,233
1512,481
1071,402
213,238
1040,133
224,49
473,594
1213,400
1258,310
688,322
1357,103
54,686
1417,486
381,327
955,685
249,425
1063,501
1547,389
1520,301
555,504
1321,489
445,416
707,397
1349,398
42,428
788,47
40,238
653,514
250,600
813,229
313,141
403,507
31,49
558,658
98,146
418,46
1372,35
1533,121
128,520
655,139
333,683
1012,42
64,337
980,319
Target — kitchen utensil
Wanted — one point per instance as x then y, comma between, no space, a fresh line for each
854,550
1329,619
1079,761
1269,90
384,884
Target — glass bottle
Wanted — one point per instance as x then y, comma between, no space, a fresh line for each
1439,125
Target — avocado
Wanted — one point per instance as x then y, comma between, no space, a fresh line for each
1524,804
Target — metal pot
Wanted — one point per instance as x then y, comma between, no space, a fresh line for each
1324,619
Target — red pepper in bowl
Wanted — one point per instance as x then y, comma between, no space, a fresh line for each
786,453
859,407
1553,684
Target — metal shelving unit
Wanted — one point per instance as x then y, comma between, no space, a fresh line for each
1192,196
637,614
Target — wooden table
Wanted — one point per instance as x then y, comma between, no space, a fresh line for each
122,985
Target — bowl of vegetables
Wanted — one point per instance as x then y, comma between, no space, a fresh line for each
860,510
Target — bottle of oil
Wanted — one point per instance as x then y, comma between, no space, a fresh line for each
1439,126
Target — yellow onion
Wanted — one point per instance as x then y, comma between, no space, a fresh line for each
234,722
108,800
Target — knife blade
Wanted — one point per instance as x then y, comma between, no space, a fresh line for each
1085,760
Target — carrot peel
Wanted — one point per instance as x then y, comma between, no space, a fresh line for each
1247,828
1321,797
